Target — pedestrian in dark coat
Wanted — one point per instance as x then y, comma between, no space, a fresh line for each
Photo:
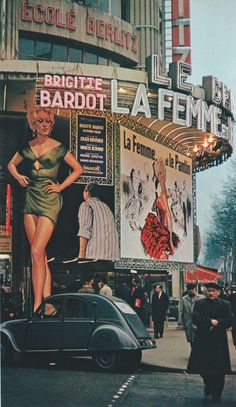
138,300
210,352
160,304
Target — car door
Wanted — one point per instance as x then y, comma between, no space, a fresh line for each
78,324
44,331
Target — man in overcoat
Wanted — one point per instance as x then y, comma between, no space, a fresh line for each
210,352
186,306
160,304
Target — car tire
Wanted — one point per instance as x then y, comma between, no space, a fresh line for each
106,360
9,356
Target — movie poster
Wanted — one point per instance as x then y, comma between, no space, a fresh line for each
156,200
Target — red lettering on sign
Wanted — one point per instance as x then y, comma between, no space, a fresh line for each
128,37
58,22
134,44
110,33
90,26
70,20
117,39
38,17
26,11
100,29
50,17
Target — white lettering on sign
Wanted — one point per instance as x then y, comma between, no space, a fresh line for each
72,82
141,104
82,92
72,100
154,71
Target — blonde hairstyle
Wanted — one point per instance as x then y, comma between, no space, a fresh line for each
159,166
32,115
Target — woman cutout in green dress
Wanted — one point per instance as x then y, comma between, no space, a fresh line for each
43,202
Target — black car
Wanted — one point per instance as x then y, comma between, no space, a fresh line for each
105,328
173,310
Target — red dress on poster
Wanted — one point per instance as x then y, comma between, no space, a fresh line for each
157,236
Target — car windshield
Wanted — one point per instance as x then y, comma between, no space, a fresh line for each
125,308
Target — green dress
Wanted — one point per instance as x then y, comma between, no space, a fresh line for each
37,201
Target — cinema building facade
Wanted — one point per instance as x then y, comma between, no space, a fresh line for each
101,66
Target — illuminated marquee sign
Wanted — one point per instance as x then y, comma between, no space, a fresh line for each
81,92
72,92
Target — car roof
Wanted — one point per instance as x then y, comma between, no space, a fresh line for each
89,297
105,305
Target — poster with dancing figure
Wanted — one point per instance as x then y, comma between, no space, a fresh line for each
156,200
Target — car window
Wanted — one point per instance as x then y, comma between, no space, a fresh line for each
125,308
76,308
51,309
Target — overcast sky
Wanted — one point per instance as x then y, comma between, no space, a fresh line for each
213,38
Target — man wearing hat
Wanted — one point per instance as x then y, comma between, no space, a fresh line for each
186,309
210,352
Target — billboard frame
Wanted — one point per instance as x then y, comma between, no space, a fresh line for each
146,264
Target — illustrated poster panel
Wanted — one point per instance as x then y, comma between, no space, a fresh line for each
92,145
156,200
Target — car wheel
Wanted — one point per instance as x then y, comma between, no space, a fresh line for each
9,356
131,360
106,360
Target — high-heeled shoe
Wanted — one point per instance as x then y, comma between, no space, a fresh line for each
50,310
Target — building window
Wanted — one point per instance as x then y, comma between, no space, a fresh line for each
33,49
91,3
91,58
102,61
115,8
59,52
75,55
26,49
43,50
112,7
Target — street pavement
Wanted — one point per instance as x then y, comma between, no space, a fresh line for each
173,350
163,382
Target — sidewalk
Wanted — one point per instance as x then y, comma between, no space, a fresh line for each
173,350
